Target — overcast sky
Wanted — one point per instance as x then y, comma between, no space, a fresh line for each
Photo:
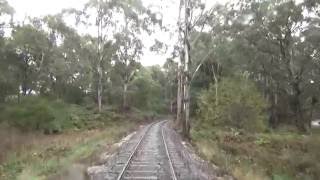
36,8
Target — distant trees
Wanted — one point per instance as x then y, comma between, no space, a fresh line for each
148,90
45,57
129,46
117,46
31,46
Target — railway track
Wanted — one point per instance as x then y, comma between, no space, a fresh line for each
146,158
154,152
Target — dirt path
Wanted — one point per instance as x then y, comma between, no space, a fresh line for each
154,152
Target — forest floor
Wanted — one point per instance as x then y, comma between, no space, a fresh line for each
38,156
279,155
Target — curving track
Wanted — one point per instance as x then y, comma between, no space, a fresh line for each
155,152
146,158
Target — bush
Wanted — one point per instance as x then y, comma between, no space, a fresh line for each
239,105
41,114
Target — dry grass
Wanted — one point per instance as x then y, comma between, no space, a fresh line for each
280,156
19,142
37,156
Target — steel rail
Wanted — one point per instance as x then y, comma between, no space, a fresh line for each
174,177
132,154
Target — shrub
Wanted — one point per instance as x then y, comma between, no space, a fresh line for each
239,105
36,113
28,114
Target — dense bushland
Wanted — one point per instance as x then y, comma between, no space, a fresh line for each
46,115
149,90
236,102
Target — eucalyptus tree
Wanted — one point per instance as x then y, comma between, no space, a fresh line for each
9,70
67,67
136,22
5,11
171,74
192,16
8,59
283,59
274,43
103,15
127,64
98,14
30,45
270,41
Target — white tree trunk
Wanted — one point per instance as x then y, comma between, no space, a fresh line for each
125,91
100,88
179,97
186,74
216,85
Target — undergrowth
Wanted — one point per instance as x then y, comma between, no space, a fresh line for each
42,114
259,156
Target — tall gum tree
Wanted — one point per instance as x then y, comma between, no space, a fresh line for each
99,15
192,15
136,20
119,22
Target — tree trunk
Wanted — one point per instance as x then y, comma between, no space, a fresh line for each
100,59
179,98
24,86
297,108
125,90
294,77
100,89
19,96
216,85
186,73
273,118
186,125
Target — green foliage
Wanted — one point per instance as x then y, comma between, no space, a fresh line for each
73,95
239,105
147,91
34,114
40,114
276,43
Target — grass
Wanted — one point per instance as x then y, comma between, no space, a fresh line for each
259,156
45,155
